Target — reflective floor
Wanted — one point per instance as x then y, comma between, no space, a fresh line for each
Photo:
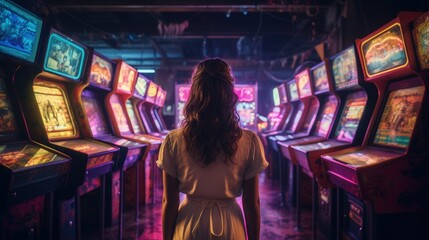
276,222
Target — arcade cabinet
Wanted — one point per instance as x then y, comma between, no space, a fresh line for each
324,91
94,122
50,100
385,179
285,109
302,123
182,95
357,100
278,115
145,111
116,104
246,106
157,111
30,173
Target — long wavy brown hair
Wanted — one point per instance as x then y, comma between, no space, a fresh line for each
211,120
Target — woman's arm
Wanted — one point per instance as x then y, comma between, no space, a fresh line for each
251,207
170,205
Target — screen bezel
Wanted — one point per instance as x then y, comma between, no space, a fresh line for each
397,85
289,91
339,115
33,59
308,88
73,43
313,79
136,92
331,69
112,74
120,66
282,93
62,89
276,96
97,98
362,45
151,99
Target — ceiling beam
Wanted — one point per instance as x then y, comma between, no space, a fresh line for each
290,8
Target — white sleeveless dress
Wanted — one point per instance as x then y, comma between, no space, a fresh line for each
210,210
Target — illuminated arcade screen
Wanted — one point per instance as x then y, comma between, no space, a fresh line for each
7,118
421,40
141,86
19,32
182,95
134,122
304,86
344,69
55,111
93,112
293,91
399,117
384,51
282,93
247,112
320,78
64,57
151,92
351,115
276,97
101,72
127,75
325,119
160,97
119,114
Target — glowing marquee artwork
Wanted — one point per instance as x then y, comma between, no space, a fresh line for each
245,93
320,77
304,87
127,75
101,72
385,51
151,92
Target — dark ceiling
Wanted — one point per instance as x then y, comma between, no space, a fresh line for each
174,35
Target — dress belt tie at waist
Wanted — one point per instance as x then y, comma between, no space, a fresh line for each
210,204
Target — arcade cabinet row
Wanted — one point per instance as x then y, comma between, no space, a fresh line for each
72,123
350,136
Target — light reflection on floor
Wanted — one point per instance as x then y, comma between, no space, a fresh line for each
277,223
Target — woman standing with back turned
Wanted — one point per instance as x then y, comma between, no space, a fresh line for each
213,161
